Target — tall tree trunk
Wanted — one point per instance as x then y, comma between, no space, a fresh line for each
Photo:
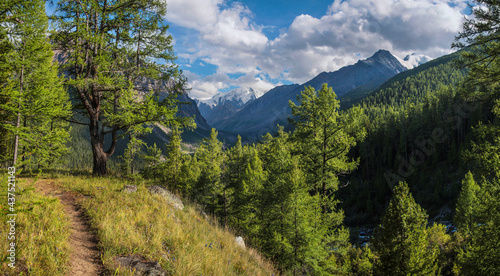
100,158
97,142
18,123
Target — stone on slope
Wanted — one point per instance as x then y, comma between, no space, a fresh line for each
170,197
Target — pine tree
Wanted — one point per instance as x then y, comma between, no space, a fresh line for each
401,239
118,58
36,100
189,174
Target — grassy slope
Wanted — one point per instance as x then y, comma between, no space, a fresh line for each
42,230
183,242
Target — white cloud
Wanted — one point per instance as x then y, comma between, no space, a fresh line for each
228,38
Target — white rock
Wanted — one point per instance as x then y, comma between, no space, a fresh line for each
240,242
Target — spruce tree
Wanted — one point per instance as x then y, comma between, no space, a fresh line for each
401,238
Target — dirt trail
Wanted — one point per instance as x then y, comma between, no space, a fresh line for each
85,257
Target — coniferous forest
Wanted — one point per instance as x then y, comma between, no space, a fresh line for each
401,180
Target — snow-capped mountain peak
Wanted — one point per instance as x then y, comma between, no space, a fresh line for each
238,96
414,60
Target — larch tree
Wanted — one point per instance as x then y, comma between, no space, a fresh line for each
481,255
323,138
288,232
5,72
480,40
209,188
466,204
118,58
401,239
33,98
172,165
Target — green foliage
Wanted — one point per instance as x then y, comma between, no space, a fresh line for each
152,159
484,152
449,247
481,255
291,232
247,197
131,154
32,97
481,40
5,72
467,201
173,162
209,188
361,261
415,127
117,87
401,239
322,139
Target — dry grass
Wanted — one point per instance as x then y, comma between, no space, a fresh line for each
42,230
183,242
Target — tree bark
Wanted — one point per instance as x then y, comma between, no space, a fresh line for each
97,142
100,158
18,123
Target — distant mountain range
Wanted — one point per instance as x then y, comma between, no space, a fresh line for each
224,105
251,113
262,115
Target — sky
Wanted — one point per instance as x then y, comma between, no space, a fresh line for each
224,44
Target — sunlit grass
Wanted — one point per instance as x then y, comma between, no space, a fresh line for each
42,231
183,242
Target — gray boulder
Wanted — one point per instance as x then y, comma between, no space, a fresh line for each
129,189
170,197
140,267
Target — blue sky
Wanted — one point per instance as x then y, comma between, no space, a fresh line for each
223,44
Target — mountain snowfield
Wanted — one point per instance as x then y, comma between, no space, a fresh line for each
237,96
414,60
224,105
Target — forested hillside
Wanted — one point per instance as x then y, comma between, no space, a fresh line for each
417,123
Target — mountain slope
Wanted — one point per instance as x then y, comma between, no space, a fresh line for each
262,115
